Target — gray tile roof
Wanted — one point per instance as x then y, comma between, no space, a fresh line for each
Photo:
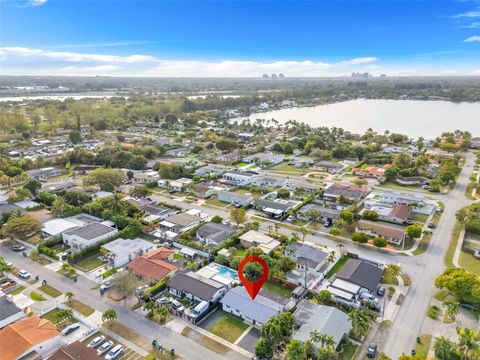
8,208
196,285
361,273
91,231
217,232
7,308
273,204
261,309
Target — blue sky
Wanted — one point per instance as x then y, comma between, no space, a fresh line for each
248,38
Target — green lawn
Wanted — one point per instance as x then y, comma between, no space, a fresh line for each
469,262
422,247
53,317
82,308
277,289
50,290
215,202
17,291
36,296
39,259
419,217
348,352
228,327
337,267
441,295
178,256
422,348
452,245
89,263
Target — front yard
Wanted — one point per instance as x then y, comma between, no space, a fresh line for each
54,317
277,289
228,327
50,290
89,263
80,307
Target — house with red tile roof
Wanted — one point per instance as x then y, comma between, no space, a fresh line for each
154,265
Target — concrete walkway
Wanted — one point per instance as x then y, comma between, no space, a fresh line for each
458,249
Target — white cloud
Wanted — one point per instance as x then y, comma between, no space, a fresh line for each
472,39
469,14
358,61
473,25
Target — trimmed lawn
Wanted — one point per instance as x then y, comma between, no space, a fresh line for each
348,352
339,264
469,262
277,289
215,202
50,290
53,317
89,263
228,327
422,348
39,259
420,217
36,296
422,247
17,291
453,244
441,295
387,278
82,308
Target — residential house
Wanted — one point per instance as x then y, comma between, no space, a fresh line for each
145,177
268,182
228,157
277,208
392,233
374,172
310,261
361,273
235,199
196,287
31,338
305,186
57,186
44,174
215,233
238,178
247,136
9,311
205,190
475,143
329,166
101,194
265,159
6,208
56,227
398,213
180,152
157,212
178,185
351,193
327,320
388,198
253,238
120,252
257,312
318,213
154,265
180,223
210,171
27,204
75,351
412,180
299,161
88,235
439,153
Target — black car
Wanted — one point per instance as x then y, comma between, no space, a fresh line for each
381,291
372,351
17,247
469,306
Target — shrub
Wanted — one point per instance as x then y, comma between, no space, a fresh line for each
360,237
159,286
45,250
380,241
334,231
110,272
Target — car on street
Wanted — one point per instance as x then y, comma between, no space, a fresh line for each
96,342
104,348
176,305
70,328
24,274
381,291
409,222
372,351
290,218
431,224
164,300
114,353
17,247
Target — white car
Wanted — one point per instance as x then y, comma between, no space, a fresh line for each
96,342
368,296
177,305
104,348
164,300
116,351
24,274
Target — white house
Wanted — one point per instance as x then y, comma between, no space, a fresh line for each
120,251
88,235
238,178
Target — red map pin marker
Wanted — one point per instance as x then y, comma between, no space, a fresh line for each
253,287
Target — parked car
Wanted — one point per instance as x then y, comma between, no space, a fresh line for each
104,348
469,306
290,218
70,328
409,222
115,352
226,221
17,247
24,274
431,224
367,296
96,342
372,351
140,290
381,291
177,305
164,300
327,223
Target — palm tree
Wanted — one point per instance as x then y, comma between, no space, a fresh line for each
332,256
453,308
304,232
150,306
443,348
109,315
393,269
69,295
341,248
4,266
64,314
360,322
468,343
295,237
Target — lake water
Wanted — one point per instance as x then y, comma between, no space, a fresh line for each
414,118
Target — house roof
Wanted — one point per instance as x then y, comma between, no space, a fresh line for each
329,164
361,273
22,335
235,196
127,246
156,209
7,308
260,309
91,231
217,232
152,264
8,208
57,226
382,229
195,284
182,219
278,205
325,319
75,351
309,255
345,190
324,211
401,211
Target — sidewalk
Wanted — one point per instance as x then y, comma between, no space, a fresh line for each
458,248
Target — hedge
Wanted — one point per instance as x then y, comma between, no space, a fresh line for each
110,272
45,250
86,251
159,286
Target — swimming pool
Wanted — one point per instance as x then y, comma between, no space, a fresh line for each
225,271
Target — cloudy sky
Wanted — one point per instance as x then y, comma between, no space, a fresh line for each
239,39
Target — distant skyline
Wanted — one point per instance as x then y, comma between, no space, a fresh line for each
239,39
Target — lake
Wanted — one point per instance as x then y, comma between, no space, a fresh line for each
411,117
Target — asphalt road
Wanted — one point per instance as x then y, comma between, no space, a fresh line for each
184,347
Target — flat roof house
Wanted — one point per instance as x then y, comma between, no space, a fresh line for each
412,180
88,235
179,223
268,182
215,234
323,319
392,233
275,208
238,178
210,171
153,266
361,273
32,337
317,213
9,312
235,199
329,166
308,187
257,312
120,251
253,238
265,158
196,287
56,227
44,174
352,193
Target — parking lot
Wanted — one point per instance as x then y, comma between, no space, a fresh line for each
128,354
